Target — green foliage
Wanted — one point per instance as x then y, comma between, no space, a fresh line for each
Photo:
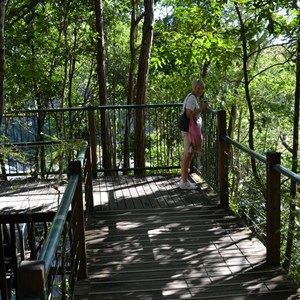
51,62
163,140
42,44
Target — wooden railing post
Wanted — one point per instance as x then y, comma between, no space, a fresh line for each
88,176
222,159
32,280
273,209
3,282
88,182
92,140
78,225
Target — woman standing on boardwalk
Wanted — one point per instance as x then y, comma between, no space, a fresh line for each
192,109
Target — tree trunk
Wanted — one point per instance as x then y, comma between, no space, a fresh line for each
142,86
2,56
41,103
293,186
247,95
130,94
106,141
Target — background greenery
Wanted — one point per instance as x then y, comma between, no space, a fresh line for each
246,51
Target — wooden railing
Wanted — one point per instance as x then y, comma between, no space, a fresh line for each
44,138
162,139
62,259
213,164
270,212
52,262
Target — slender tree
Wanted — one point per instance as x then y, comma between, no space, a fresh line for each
131,78
243,35
102,91
295,162
2,56
142,81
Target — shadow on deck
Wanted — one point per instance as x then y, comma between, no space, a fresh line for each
147,239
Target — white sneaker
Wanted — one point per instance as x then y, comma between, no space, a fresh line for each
187,185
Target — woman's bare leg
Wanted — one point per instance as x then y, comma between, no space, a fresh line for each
185,163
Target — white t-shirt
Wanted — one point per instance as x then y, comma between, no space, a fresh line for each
190,102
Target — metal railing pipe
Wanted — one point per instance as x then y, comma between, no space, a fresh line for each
33,275
245,149
288,173
81,155
49,248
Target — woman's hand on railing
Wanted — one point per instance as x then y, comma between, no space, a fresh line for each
204,106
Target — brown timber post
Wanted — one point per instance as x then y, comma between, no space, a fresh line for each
32,280
78,227
92,140
273,209
88,182
222,159
3,282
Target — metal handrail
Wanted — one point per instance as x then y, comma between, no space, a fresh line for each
81,155
245,149
271,190
91,116
36,144
291,175
48,251
84,108
278,167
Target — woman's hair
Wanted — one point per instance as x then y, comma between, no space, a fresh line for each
197,82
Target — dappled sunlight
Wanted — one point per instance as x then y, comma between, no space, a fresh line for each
172,225
176,288
174,285
21,196
157,231
127,225
220,259
186,252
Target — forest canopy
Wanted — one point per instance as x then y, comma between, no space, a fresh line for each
62,54
73,53
246,51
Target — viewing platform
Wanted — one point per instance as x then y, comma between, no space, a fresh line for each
147,239
86,234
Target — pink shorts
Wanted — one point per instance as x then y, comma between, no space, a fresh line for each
186,143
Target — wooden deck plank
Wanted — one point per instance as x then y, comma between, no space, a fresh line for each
146,192
156,191
180,245
152,190
128,199
28,195
147,239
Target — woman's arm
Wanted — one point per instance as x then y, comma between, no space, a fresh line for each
190,113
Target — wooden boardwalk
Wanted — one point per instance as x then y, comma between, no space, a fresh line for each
25,196
149,240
